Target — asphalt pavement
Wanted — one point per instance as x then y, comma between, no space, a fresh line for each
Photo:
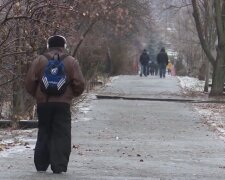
133,139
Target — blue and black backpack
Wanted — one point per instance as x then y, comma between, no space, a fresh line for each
54,80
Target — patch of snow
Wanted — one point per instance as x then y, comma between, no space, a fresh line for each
84,110
91,96
16,141
83,119
112,79
5,109
191,84
17,149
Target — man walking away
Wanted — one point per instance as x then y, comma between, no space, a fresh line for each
54,79
162,59
144,59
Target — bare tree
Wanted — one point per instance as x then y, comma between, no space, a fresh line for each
218,9
89,25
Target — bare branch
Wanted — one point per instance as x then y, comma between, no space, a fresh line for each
9,81
200,33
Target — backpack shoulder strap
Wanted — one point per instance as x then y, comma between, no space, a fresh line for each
48,56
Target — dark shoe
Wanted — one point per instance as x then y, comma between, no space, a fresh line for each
42,169
57,172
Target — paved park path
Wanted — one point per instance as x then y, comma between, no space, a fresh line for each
133,139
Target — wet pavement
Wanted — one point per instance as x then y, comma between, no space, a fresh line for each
133,139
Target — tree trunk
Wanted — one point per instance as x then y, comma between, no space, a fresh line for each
109,62
218,75
18,104
206,88
219,68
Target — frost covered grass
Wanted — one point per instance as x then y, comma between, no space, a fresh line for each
213,114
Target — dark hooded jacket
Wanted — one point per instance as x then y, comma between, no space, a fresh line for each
73,72
144,58
162,57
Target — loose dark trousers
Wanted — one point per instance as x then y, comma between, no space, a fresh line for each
53,145
162,70
144,70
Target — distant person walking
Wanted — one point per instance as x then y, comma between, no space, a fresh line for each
54,79
169,68
144,59
162,59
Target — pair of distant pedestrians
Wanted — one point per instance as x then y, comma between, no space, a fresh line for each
162,60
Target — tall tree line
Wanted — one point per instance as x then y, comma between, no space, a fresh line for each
92,28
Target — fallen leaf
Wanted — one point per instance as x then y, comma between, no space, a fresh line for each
76,146
80,153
